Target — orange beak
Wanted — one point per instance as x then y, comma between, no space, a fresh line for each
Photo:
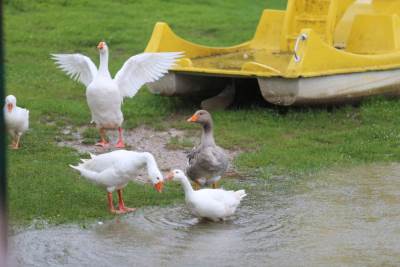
194,118
169,176
159,186
101,45
9,107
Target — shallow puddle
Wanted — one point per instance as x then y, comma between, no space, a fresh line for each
341,218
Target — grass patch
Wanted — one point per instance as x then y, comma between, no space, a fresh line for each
90,135
176,143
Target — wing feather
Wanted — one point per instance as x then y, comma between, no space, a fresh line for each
77,66
144,68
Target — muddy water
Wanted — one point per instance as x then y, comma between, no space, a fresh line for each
341,218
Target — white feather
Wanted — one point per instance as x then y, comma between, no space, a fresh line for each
78,67
105,95
115,169
144,68
214,204
17,121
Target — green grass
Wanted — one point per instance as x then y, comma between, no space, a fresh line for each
90,135
274,141
304,141
176,143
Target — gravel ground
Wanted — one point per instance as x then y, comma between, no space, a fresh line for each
145,139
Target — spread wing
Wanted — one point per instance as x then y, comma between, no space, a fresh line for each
192,155
144,68
77,66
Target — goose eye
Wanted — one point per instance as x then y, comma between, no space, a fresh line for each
158,178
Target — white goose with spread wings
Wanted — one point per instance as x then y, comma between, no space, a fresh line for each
103,93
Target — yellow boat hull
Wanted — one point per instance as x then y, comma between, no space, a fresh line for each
313,44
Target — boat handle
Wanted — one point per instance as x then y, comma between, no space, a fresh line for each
301,37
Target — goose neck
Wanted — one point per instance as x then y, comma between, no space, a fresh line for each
207,137
187,187
103,68
150,162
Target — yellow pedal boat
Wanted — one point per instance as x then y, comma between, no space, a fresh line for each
317,51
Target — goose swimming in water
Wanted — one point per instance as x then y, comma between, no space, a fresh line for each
213,204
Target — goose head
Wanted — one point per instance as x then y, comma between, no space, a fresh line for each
176,175
201,116
11,102
102,47
156,179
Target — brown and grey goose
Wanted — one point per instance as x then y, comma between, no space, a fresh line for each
207,162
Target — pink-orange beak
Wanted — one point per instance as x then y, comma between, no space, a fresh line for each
169,176
9,107
194,118
159,186
101,45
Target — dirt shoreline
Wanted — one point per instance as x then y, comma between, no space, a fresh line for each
144,139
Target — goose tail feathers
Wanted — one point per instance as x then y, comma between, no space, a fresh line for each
240,194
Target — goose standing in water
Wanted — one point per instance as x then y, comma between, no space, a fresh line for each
104,94
207,162
213,204
16,119
115,169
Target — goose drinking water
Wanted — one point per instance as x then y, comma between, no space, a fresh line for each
115,169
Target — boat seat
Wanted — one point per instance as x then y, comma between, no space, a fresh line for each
318,15
374,34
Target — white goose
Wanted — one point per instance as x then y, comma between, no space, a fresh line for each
103,93
213,204
17,120
115,169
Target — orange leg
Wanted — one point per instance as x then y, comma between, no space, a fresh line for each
196,185
15,142
12,145
120,143
110,203
215,185
103,142
121,205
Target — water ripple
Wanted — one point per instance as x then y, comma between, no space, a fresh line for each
343,218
